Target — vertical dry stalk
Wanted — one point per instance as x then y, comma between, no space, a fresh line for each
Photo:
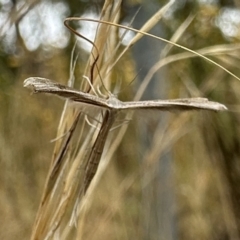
64,186
74,165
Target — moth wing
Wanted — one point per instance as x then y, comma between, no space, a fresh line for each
177,104
43,85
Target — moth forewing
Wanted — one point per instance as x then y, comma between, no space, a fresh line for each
176,104
112,105
43,85
98,146
47,86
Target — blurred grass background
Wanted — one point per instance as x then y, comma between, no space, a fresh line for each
183,188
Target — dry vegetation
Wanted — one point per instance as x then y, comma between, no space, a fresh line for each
161,175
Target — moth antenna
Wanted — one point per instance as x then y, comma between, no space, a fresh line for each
122,90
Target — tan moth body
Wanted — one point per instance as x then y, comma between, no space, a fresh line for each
113,106
44,85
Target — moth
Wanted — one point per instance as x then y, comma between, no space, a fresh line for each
43,85
112,105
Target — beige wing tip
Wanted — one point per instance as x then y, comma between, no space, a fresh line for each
221,107
37,83
215,106
28,82
31,84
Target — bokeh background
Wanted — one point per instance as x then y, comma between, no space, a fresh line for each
179,178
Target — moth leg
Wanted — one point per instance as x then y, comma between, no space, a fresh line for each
126,121
90,84
59,137
100,93
91,124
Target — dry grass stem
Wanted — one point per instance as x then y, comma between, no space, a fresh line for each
82,151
